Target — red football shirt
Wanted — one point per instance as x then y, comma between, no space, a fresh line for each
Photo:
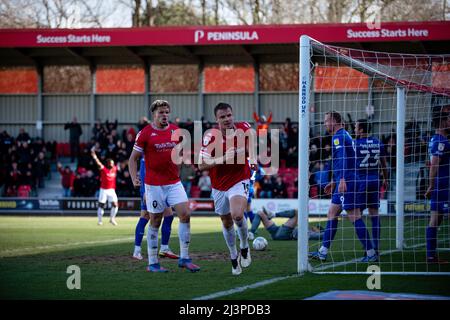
157,145
224,176
108,178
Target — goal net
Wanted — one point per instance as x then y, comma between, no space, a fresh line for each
385,102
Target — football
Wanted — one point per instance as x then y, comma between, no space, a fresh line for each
260,243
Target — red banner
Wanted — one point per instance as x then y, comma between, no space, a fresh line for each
199,35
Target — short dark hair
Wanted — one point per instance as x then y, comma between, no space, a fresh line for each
438,114
222,106
335,115
364,124
158,104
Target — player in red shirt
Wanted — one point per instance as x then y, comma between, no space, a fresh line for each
163,187
107,192
230,181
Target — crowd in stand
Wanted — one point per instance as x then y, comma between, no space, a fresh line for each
26,162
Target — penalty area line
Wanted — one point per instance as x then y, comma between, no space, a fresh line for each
243,288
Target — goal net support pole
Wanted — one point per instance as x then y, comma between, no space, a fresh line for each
400,174
303,159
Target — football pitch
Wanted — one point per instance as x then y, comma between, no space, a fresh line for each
35,253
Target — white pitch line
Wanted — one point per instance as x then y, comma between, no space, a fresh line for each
62,245
243,288
273,280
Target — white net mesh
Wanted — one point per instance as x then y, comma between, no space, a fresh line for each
361,85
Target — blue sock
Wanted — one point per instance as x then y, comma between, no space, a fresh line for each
376,231
140,229
363,234
330,232
431,241
250,215
255,223
166,229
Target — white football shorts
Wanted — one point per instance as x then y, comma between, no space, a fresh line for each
107,195
158,198
222,198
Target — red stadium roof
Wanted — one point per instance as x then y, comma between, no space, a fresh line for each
222,44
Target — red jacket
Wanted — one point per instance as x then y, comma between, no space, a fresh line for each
67,178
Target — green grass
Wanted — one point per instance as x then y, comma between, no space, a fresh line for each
36,251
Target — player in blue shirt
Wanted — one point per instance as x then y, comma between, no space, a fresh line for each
251,194
166,228
343,189
438,190
370,157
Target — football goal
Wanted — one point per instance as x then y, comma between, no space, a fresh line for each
366,119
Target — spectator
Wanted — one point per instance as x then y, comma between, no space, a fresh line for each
90,184
187,174
67,179
42,169
98,130
262,123
24,155
322,177
266,188
78,186
204,184
124,184
6,141
13,180
75,132
143,122
23,136
279,188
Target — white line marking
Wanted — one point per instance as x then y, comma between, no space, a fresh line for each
243,288
61,245
317,270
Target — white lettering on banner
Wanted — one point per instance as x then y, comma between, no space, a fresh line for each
316,206
226,35
387,33
71,38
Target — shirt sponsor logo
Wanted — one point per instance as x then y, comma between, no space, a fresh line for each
160,147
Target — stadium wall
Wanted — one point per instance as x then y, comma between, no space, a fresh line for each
20,110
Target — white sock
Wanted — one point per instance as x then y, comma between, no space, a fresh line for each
100,212
242,230
164,247
230,239
184,234
137,249
114,212
323,250
370,253
152,245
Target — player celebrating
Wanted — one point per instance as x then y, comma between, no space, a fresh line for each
230,183
166,228
163,187
108,176
344,193
438,190
370,156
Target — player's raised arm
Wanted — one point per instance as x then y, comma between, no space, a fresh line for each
94,156
133,165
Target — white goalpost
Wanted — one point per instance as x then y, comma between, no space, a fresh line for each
393,95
